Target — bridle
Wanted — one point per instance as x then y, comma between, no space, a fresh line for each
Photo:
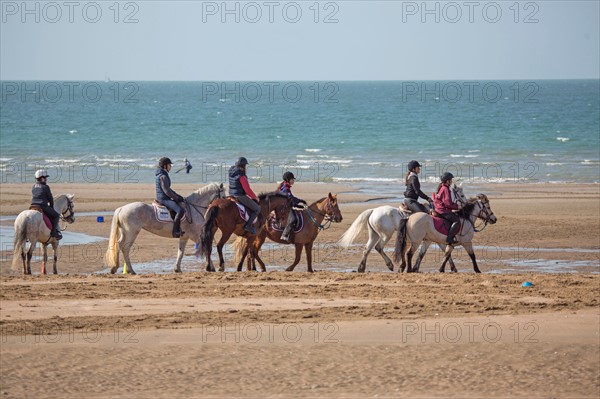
328,216
70,217
199,207
486,220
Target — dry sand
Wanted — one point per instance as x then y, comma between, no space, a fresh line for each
327,334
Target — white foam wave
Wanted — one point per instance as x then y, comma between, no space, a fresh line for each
73,131
365,179
340,161
463,156
554,163
312,149
543,155
590,162
563,139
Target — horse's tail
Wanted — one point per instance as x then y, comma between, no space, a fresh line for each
206,238
400,241
354,230
112,253
239,245
19,243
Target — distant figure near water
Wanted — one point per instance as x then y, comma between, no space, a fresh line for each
186,165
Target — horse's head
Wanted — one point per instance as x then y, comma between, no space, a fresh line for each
485,213
332,211
207,193
217,192
66,207
459,195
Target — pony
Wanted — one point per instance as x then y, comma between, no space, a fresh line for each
313,215
224,215
382,222
30,225
130,219
420,228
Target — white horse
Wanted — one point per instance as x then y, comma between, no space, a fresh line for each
382,222
30,226
420,228
130,219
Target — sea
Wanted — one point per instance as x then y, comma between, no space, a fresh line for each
358,133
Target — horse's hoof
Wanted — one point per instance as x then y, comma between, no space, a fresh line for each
114,270
177,270
289,269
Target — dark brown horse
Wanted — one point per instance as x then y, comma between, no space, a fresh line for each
323,209
223,214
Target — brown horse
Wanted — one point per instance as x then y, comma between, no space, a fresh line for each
325,208
223,214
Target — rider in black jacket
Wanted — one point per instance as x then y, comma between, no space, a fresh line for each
413,189
42,197
166,196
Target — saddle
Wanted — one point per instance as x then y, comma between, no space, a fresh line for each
46,218
297,228
442,225
166,215
404,209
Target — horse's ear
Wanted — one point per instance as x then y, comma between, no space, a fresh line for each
70,196
330,196
221,186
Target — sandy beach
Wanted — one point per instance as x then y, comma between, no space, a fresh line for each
334,333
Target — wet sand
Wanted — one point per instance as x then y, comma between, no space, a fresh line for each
327,334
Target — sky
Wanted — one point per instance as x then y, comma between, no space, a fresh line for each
301,40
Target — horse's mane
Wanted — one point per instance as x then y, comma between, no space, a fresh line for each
466,210
209,187
263,196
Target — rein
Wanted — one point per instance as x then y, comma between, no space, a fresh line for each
196,206
69,216
485,222
325,215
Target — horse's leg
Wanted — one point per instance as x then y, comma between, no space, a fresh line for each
220,245
44,258
373,240
54,256
243,258
422,251
125,243
469,248
252,255
32,245
379,248
452,265
180,251
409,255
258,242
447,254
308,249
297,259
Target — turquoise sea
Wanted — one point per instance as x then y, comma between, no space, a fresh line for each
360,132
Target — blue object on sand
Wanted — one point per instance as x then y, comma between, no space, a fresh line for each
100,219
527,284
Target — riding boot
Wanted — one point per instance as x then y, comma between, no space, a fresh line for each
249,224
55,232
177,225
452,232
286,232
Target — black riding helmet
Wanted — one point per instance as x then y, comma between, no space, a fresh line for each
446,176
241,162
287,176
413,164
164,161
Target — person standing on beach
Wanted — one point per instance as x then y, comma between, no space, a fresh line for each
413,189
166,196
240,189
285,187
187,165
42,197
444,206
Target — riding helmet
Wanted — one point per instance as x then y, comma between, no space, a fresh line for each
446,176
164,161
287,176
41,173
241,162
413,164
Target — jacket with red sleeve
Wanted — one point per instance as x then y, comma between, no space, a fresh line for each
443,201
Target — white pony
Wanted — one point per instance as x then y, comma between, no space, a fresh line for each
382,222
130,219
30,226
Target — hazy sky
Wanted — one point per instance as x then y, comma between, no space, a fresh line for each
302,40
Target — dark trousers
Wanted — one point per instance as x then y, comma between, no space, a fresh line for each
450,218
174,206
248,203
52,214
414,205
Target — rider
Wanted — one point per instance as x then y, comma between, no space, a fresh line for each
413,189
166,196
240,189
42,197
444,205
285,187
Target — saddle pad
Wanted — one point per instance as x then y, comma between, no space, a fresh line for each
46,218
48,222
163,214
442,226
299,223
244,213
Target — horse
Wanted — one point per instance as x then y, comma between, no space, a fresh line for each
420,228
130,219
224,215
325,208
382,222
30,225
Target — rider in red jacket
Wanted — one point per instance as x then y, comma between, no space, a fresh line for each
444,205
